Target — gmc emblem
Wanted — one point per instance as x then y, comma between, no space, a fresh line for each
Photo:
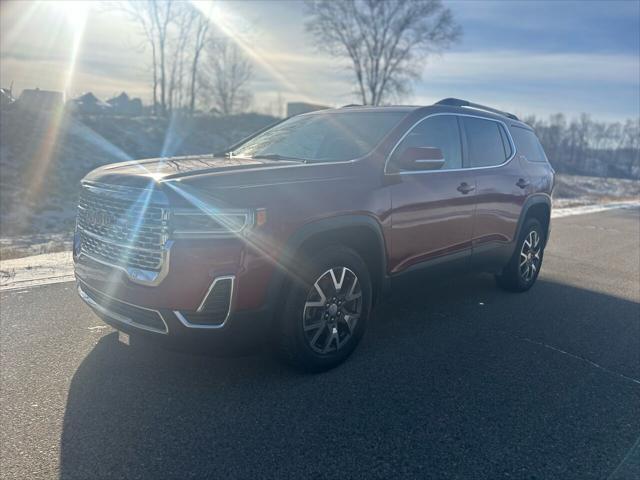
100,219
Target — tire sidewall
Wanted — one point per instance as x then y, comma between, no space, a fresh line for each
530,225
291,322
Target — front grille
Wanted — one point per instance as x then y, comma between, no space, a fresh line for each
137,316
121,231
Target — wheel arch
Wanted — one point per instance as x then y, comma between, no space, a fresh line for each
536,206
361,233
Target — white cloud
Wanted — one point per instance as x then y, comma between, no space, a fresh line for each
607,86
534,67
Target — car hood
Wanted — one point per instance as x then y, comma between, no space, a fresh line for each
230,178
140,173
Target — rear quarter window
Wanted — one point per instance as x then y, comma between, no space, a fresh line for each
528,144
484,139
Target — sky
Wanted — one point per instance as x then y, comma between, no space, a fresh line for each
527,57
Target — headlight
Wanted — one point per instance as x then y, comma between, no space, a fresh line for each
198,224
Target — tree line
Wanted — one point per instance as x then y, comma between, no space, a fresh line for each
192,65
590,147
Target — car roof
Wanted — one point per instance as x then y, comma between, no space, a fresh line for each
367,108
423,110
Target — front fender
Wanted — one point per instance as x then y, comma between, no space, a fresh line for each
325,226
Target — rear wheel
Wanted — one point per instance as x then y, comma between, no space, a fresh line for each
326,310
522,270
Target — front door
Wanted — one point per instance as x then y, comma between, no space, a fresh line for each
432,211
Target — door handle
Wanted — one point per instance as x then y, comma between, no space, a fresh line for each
522,183
465,188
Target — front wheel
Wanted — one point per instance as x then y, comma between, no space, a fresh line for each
326,310
524,267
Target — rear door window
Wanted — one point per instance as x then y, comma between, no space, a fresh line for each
528,144
484,140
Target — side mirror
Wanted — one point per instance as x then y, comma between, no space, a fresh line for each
420,158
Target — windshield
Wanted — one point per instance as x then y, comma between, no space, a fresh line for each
327,137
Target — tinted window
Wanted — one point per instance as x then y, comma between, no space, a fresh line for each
441,132
484,141
324,137
508,151
528,145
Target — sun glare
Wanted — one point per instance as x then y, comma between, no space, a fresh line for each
235,28
76,13
68,17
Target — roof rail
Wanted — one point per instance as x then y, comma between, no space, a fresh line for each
351,105
456,102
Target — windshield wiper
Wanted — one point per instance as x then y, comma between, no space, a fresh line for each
275,156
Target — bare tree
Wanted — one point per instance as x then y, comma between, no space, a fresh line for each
385,41
184,17
177,33
225,76
161,12
140,13
154,17
200,41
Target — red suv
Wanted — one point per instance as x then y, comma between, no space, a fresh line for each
295,232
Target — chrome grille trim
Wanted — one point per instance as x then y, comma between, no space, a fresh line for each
116,244
183,316
138,275
119,228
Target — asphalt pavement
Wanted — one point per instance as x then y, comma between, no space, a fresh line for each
455,379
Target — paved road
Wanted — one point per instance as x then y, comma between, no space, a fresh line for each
454,380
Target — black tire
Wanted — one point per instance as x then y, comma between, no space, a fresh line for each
292,341
512,277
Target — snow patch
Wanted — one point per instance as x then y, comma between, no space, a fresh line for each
584,209
36,270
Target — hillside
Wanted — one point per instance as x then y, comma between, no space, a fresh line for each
43,157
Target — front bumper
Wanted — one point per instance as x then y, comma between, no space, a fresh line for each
238,332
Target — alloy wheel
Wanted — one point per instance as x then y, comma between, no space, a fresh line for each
332,310
530,256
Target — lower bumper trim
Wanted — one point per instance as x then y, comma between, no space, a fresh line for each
120,316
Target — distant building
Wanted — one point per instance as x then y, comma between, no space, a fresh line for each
296,108
40,100
89,104
123,105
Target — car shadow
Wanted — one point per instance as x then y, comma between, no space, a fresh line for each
454,379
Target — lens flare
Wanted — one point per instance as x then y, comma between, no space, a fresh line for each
63,17
227,23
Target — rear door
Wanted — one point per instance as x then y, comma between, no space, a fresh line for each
432,211
502,187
